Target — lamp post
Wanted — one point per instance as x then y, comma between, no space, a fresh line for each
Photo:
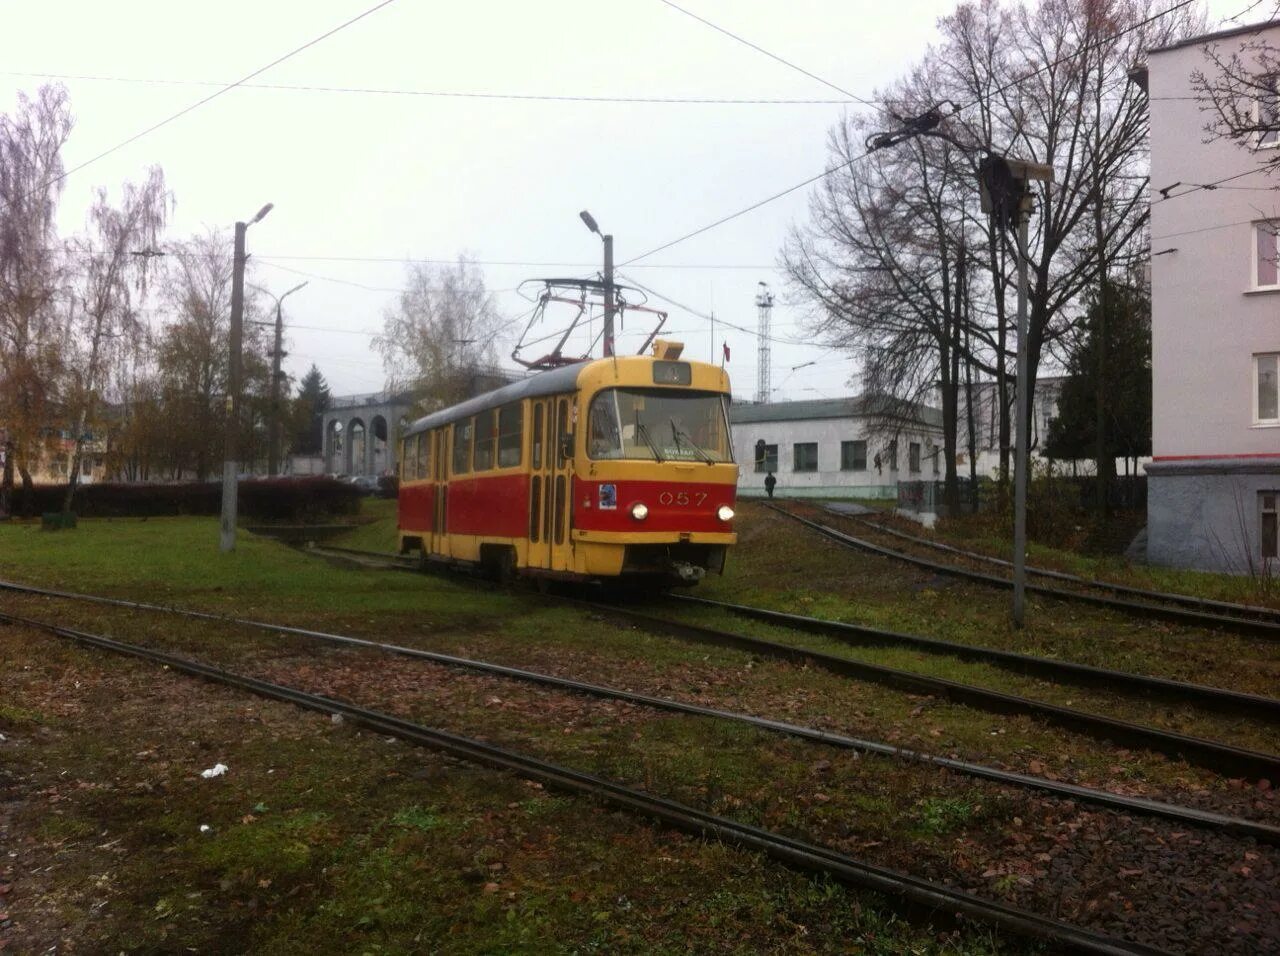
1005,194
277,355
609,308
227,537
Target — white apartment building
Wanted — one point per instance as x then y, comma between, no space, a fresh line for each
833,448
1214,483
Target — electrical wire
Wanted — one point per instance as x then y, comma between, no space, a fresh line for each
443,94
213,96
772,56
845,165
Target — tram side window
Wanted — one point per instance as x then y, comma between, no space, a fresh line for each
562,429
407,459
462,447
510,435
424,456
537,437
484,441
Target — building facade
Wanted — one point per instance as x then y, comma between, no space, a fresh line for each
1214,481
361,433
833,448
986,422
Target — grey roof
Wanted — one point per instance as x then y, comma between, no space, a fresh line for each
1218,35
860,406
554,382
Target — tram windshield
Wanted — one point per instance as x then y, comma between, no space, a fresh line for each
657,424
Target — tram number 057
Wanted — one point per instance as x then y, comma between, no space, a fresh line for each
682,499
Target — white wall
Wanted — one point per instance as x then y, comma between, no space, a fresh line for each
1206,323
829,479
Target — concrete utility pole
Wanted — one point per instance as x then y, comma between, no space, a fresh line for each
610,303
227,538
1005,195
277,356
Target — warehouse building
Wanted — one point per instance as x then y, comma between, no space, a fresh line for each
835,448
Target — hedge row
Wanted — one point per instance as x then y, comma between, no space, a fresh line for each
269,499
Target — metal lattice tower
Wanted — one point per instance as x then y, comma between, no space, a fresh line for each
764,307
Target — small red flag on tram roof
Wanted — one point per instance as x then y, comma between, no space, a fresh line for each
725,346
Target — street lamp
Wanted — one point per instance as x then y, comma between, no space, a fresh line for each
591,224
227,536
277,355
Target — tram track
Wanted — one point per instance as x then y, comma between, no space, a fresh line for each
1139,806
1169,597
1084,675
916,893
1264,629
1208,754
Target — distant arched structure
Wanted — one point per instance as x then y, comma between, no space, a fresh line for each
360,437
333,450
378,441
357,447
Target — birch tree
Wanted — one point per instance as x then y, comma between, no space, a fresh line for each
104,302
32,330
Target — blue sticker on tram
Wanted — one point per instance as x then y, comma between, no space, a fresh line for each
608,497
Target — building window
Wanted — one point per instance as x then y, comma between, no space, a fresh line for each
1265,255
86,466
853,456
806,456
768,461
913,457
1266,390
893,455
1267,112
934,455
1270,502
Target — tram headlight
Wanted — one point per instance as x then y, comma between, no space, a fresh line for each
725,513
639,511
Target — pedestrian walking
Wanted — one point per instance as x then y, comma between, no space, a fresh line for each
769,482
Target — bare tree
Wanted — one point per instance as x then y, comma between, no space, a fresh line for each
31,328
192,355
1239,89
104,308
1047,84
440,332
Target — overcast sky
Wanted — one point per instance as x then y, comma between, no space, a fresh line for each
357,177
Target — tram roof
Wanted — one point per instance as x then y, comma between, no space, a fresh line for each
552,382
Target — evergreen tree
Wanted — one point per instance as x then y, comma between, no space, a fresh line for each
308,413
1127,398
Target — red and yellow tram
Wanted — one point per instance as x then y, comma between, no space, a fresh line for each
614,468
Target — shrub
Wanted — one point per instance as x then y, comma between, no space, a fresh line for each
269,499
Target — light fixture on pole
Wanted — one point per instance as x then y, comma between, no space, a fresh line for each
609,307
227,531
277,356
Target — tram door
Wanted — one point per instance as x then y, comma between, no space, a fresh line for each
549,484
440,490
541,483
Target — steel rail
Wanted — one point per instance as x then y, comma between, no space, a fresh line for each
1171,597
813,858
1262,629
1085,675
1190,816
1209,754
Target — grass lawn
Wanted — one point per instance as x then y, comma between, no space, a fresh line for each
385,848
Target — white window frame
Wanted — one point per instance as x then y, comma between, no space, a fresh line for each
1274,225
1274,82
1253,378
